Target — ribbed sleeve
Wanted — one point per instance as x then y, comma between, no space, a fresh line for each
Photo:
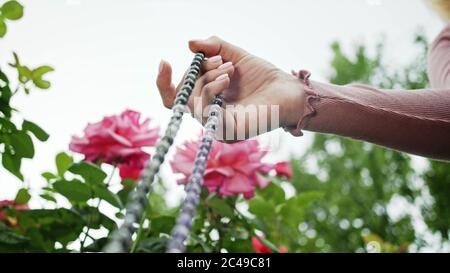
414,121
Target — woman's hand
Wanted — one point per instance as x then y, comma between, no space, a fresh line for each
246,82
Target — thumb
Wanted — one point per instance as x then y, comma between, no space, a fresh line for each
216,46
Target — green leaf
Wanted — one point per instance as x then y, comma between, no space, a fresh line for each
16,59
272,192
162,224
42,84
90,172
261,207
12,164
4,78
12,10
38,73
5,91
5,109
37,131
22,144
63,162
3,28
108,223
220,206
291,214
7,125
48,197
51,225
23,196
97,245
24,74
103,193
129,183
305,198
48,176
94,219
74,190
124,194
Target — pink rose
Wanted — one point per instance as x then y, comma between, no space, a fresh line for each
232,168
284,169
10,204
115,138
133,165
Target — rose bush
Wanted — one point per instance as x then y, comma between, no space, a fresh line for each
80,205
243,195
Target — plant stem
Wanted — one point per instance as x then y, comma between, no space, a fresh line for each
138,235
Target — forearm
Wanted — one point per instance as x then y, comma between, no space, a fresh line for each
416,121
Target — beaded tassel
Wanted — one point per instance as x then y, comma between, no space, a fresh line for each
193,189
121,238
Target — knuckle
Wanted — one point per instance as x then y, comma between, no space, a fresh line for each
209,76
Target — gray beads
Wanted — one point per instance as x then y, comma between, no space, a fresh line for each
193,189
120,240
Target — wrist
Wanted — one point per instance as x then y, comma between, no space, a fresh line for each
292,108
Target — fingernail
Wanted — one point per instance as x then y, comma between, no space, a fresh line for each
161,66
225,65
222,77
215,59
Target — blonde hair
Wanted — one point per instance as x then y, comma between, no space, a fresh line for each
442,7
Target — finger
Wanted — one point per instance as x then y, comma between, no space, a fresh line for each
209,91
209,64
164,83
212,63
214,88
216,46
226,68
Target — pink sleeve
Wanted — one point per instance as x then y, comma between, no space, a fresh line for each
413,121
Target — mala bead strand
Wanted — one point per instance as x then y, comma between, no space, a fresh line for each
193,189
121,239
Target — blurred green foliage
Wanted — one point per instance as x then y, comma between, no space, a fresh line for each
361,180
9,11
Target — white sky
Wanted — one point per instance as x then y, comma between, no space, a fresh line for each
106,54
